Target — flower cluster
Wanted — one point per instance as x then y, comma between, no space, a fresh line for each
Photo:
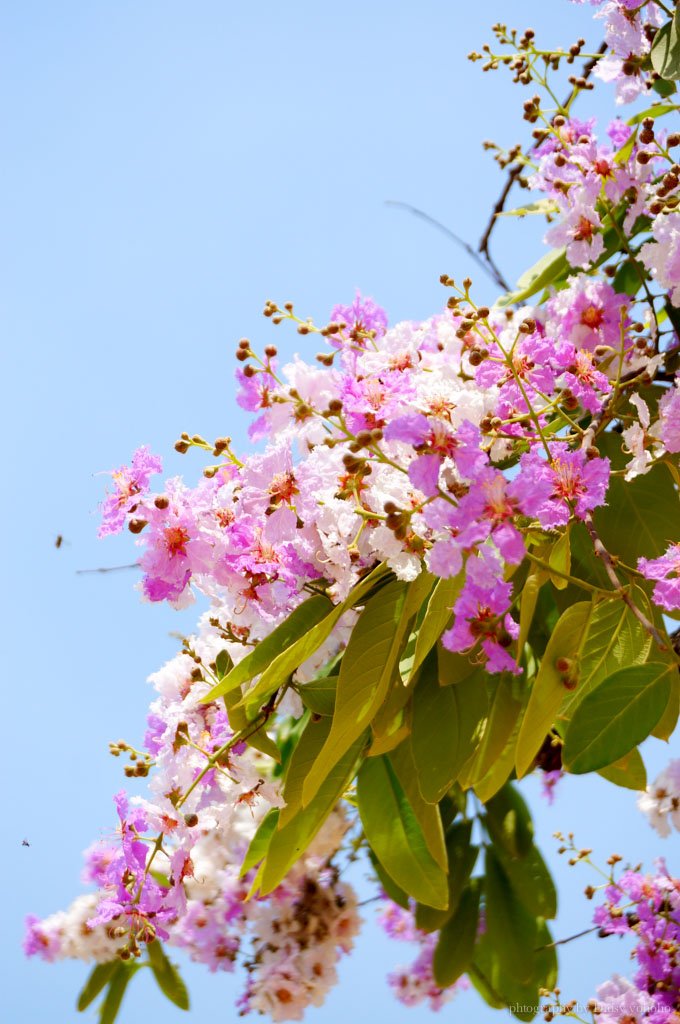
646,908
466,445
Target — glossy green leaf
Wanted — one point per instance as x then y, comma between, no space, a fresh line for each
435,739
298,624
319,695
290,658
499,988
630,277
391,888
618,715
118,983
427,814
301,762
455,947
539,206
547,693
453,668
462,856
656,111
665,52
629,772
393,832
616,638
99,976
510,928
290,842
500,771
642,516
504,712
527,607
368,666
167,976
665,727
548,269
259,844
530,880
509,822
223,664
560,560
437,616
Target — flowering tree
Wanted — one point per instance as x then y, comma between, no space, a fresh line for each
452,564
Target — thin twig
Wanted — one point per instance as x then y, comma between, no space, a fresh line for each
561,942
111,568
486,265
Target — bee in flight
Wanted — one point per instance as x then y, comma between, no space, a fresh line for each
25,842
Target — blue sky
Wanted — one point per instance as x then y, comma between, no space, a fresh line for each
171,166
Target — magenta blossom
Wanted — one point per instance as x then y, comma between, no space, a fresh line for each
577,483
363,315
480,613
666,570
131,484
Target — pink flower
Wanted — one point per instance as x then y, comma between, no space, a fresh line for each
131,484
580,228
577,483
666,570
480,613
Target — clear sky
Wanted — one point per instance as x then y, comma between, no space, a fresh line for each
170,166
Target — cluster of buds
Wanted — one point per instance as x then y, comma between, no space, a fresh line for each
141,761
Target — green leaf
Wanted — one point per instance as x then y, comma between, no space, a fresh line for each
629,772
298,624
455,947
462,857
510,928
119,981
391,888
500,771
290,658
503,714
530,880
629,277
665,52
665,727
548,690
642,515
223,664
393,832
560,559
435,737
259,844
290,842
167,976
509,822
623,155
301,762
500,989
656,111
550,266
527,607
454,668
427,815
663,87
367,668
319,695
618,715
616,638
437,616
539,206
98,977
